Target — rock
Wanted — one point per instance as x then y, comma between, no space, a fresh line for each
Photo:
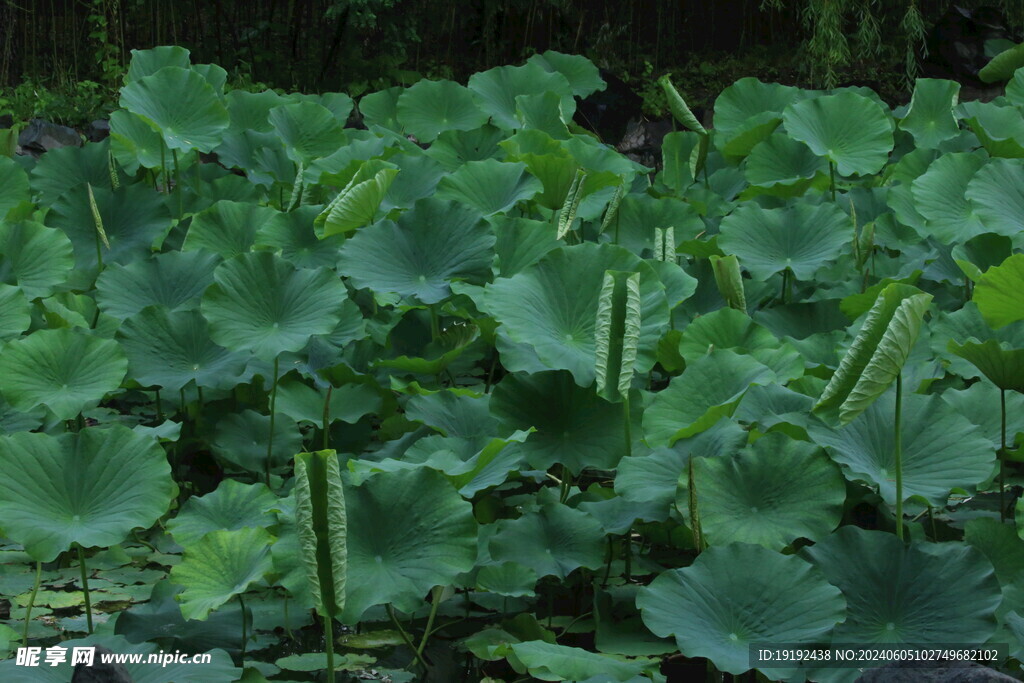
97,130
609,111
642,141
956,43
100,672
41,136
921,672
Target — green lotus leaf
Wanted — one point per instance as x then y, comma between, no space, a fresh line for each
552,662
356,205
1003,65
215,75
171,349
639,214
942,451
878,353
63,369
380,109
748,98
753,132
521,242
930,118
34,257
133,142
261,303
453,414
998,292
781,160
1003,547
349,402
430,108
322,529
417,178
997,181
408,531
976,404
14,187
736,595
233,505
677,149
180,104
802,238
496,90
241,440
545,112
453,148
940,197
583,76
90,487
174,280
221,565
848,129
14,312
998,128
508,578
898,593
251,110
292,235
553,541
68,167
708,390
575,427
419,256
227,228
309,130
552,306
147,62
770,493
725,328
134,217
1004,367
490,186
678,107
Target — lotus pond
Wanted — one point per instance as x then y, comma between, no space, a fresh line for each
465,394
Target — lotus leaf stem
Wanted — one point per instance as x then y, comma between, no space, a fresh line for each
435,600
898,455
1002,454
627,427
329,646
273,403
405,636
85,586
327,417
245,639
31,602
